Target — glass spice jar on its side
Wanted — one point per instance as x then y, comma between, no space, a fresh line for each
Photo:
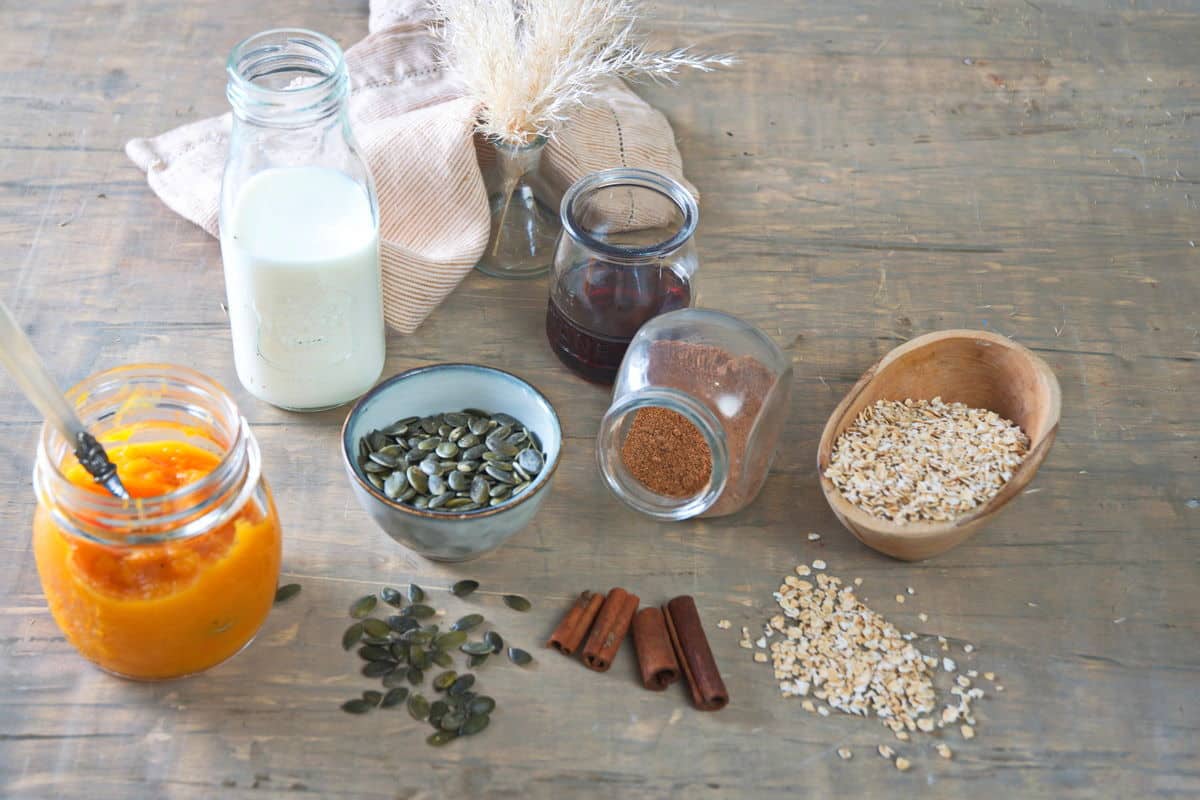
698,406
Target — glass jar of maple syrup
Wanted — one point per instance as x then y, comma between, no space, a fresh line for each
625,255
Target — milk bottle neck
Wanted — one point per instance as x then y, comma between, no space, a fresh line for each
287,79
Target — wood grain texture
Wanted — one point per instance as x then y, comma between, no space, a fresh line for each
871,171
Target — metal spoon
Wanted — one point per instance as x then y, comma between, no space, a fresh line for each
22,361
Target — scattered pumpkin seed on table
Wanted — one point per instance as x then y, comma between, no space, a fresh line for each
464,588
392,596
287,592
517,603
363,606
394,697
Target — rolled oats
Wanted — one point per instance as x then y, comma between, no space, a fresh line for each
924,460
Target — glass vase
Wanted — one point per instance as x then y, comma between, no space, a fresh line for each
524,212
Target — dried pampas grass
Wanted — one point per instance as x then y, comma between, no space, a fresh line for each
529,63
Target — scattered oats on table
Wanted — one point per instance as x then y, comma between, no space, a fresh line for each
924,460
900,599
944,750
829,644
923,617
845,754
813,537
903,764
724,624
818,564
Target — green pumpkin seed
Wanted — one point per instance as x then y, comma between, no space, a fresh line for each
400,623
375,468
375,627
443,660
399,651
495,640
464,587
500,474
452,721
375,652
474,724
377,669
416,593
418,706
458,481
481,705
419,610
461,684
356,706
474,453
440,738
476,648
443,681
461,504
456,418
519,656
416,676
440,500
392,596
417,479
530,460
395,680
469,622
437,485
451,639
286,592
363,606
446,449
516,602
416,654
394,697
437,710
373,697
376,481
383,459
477,660
430,444
352,636
395,485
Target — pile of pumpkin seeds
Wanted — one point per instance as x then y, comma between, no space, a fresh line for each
453,462
402,648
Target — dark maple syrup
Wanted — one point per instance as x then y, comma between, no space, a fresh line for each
596,308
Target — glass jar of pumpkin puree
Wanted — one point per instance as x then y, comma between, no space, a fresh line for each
181,577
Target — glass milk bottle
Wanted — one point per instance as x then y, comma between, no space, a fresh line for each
299,227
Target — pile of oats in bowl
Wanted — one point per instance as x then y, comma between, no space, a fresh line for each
833,652
925,460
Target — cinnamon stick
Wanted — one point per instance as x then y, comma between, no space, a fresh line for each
574,626
695,656
656,654
609,630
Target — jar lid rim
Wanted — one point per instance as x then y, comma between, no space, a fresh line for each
665,185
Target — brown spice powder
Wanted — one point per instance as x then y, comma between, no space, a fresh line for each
666,453
734,388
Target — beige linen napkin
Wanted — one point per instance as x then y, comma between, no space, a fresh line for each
418,138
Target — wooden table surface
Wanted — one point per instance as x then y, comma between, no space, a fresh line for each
871,171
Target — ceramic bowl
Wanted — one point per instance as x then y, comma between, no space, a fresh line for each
979,368
449,536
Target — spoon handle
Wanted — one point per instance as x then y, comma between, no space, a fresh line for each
29,371
26,367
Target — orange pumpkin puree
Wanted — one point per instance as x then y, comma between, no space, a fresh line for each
161,610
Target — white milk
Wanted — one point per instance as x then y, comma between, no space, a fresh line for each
301,253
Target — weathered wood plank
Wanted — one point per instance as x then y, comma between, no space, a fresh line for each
871,171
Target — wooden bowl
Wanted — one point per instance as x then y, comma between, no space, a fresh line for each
981,369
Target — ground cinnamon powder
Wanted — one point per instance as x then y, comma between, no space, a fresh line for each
666,453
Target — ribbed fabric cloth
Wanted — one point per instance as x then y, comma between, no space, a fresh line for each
418,138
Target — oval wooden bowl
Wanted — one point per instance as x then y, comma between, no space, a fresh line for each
981,369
